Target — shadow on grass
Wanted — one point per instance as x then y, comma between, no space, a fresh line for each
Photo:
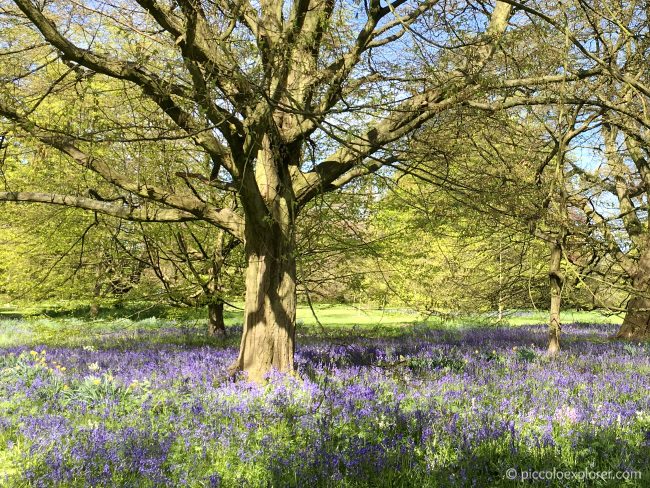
587,460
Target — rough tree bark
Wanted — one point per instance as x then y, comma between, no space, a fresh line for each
636,325
556,279
637,317
268,340
216,323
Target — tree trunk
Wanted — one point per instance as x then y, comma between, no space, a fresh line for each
556,280
636,325
216,324
268,339
500,299
97,293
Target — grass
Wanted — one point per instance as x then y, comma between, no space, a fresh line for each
526,317
61,323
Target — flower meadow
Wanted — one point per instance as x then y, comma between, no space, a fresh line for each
429,407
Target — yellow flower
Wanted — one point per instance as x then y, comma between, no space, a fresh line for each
33,353
66,387
62,368
96,381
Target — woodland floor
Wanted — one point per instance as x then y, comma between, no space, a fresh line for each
380,399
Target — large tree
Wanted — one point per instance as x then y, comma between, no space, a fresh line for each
288,100
617,204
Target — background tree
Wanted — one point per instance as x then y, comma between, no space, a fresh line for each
335,246
457,228
613,35
197,265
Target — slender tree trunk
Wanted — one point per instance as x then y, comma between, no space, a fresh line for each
268,339
500,299
97,292
216,324
636,325
556,279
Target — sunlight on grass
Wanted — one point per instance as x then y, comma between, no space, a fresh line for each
67,324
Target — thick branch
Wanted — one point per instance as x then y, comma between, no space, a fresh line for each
157,89
223,218
199,48
126,212
406,118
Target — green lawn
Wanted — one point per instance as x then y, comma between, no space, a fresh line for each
69,324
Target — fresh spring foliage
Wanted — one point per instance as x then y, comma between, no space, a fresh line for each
432,407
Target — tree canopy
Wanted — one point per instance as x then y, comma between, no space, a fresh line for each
239,115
